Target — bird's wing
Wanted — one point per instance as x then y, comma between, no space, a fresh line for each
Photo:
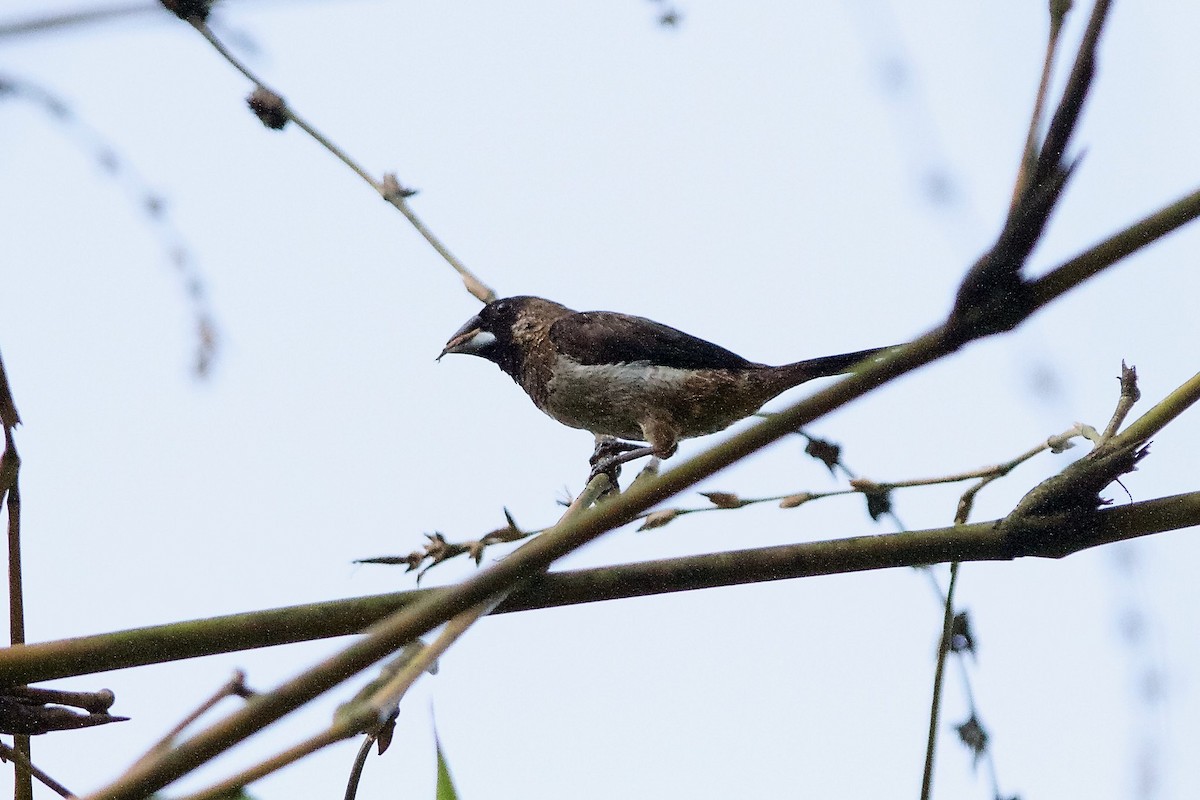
605,337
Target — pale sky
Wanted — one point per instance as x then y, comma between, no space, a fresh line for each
759,177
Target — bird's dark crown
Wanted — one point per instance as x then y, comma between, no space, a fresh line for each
503,330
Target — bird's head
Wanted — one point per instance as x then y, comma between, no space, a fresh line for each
505,331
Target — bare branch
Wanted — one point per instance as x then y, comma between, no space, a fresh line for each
981,541
271,108
375,707
20,759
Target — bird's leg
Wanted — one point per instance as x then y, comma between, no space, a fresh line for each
611,453
662,440
608,446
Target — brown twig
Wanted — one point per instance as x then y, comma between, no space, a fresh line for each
994,296
1130,394
938,681
92,702
730,501
10,492
1058,12
980,541
22,760
234,687
389,188
978,741
438,550
355,718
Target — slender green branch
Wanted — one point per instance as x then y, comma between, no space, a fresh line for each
1058,13
234,687
1100,256
363,717
10,495
939,675
368,713
527,562
975,542
1155,419
229,787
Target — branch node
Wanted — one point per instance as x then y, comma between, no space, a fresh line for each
269,107
393,191
189,10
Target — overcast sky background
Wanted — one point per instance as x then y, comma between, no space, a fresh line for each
760,176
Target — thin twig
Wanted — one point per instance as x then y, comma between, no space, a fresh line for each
92,702
358,765
978,541
369,713
234,687
729,501
66,19
1058,13
389,189
21,760
1061,442
938,679
291,755
1103,255
364,717
1163,412
23,788
10,491
1130,394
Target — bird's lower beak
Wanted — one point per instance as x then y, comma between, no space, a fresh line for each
470,339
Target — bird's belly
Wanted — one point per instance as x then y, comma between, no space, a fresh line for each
614,399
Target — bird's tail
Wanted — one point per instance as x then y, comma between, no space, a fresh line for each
826,366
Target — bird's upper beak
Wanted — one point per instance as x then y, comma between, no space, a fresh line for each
471,338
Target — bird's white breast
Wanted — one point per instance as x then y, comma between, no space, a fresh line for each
610,399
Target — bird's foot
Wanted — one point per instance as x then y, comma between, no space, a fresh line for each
610,454
607,448
613,471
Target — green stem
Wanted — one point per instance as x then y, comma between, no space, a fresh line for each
938,681
975,542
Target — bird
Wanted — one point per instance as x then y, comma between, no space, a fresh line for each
627,378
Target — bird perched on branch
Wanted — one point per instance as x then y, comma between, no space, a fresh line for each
628,377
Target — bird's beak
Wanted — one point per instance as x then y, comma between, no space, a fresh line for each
471,338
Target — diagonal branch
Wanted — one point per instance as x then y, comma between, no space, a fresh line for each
275,113
994,296
982,541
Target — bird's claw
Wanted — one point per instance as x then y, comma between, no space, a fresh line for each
607,449
610,467
607,459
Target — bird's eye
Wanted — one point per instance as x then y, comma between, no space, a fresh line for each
501,309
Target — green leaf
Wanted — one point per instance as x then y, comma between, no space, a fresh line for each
445,784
